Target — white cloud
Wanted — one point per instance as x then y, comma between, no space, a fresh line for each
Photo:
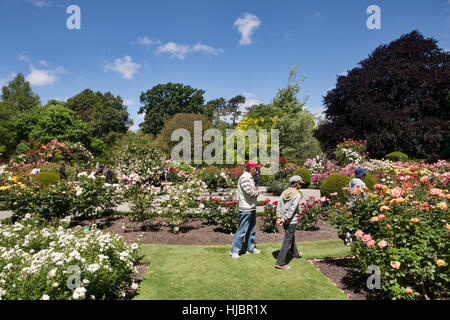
134,128
43,77
317,15
176,50
40,3
128,102
198,47
44,63
124,66
179,51
246,25
147,42
250,100
344,73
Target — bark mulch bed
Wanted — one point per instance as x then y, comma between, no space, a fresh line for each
346,277
195,232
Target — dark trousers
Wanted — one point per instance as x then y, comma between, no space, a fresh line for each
289,246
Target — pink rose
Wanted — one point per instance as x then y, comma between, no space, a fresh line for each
370,243
382,244
359,233
366,237
381,216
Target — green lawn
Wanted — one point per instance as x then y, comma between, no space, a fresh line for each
209,273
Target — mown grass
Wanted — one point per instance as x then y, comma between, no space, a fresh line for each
178,272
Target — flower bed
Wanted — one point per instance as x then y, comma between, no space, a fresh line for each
403,230
52,263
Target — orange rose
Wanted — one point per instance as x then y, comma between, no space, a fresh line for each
374,219
447,226
395,265
384,208
337,205
414,220
408,290
442,205
440,262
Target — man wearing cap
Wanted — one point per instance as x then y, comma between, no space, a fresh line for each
287,211
355,186
247,194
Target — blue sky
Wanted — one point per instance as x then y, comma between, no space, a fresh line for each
226,47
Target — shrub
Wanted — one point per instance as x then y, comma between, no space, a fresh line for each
47,178
93,193
38,262
277,187
369,180
53,202
228,218
266,179
397,156
334,184
350,151
270,216
310,212
305,174
214,178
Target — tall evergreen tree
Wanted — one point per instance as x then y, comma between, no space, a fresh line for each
19,92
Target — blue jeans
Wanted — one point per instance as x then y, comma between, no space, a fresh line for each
247,229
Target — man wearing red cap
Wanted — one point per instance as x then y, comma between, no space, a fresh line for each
247,194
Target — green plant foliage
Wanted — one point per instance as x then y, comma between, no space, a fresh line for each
277,187
214,178
305,174
397,156
266,179
335,183
47,178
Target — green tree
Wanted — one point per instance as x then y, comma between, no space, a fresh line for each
164,101
214,109
233,108
43,124
181,121
286,113
8,115
296,135
19,92
105,114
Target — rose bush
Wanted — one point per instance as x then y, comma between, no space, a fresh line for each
403,229
42,262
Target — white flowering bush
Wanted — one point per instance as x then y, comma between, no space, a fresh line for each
93,193
54,263
136,155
